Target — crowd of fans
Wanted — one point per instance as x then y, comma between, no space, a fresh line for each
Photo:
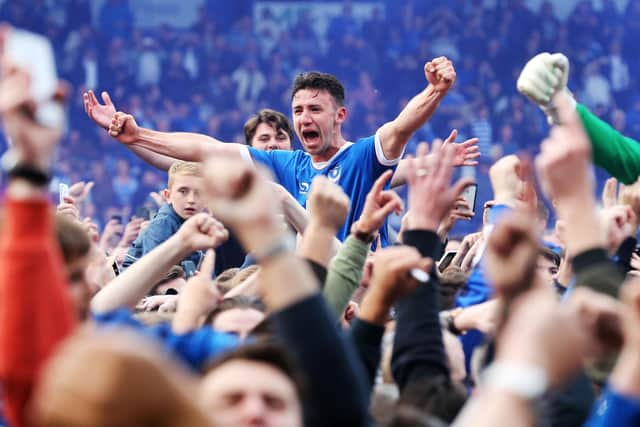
211,77
262,285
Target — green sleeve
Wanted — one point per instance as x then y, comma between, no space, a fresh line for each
615,153
345,273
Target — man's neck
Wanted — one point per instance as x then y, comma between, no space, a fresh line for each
330,151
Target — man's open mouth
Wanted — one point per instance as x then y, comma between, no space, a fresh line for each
310,135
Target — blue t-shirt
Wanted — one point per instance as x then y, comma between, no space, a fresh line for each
355,168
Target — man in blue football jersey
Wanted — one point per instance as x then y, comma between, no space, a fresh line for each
318,113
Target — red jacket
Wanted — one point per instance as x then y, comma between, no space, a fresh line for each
36,313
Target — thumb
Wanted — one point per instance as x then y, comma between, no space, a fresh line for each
208,264
452,136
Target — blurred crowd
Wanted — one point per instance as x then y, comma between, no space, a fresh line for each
211,77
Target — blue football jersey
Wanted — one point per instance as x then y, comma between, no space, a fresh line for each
355,168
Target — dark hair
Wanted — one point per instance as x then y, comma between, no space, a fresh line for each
267,352
320,81
239,301
439,397
72,238
409,416
174,273
273,118
550,255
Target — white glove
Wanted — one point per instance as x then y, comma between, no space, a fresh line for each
542,78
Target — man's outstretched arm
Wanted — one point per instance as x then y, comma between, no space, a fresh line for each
157,148
394,135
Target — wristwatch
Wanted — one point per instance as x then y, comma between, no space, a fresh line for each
447,321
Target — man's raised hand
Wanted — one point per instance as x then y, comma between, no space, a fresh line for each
124,128
466,152
200,232
431,194
440,73
101,114
328,204
378,205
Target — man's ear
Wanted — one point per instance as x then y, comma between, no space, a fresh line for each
166,193
341,114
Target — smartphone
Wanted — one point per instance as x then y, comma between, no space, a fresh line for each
469,194
63,190
445,261
189,268
117,218
34,54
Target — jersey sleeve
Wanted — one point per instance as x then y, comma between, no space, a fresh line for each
612,151
380,157
281,163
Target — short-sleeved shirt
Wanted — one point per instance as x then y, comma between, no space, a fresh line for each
355,167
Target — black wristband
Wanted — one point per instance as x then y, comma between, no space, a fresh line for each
29,173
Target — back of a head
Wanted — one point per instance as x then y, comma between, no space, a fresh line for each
73,239
114,379
408,416
319,81
183,168
452,281
438,396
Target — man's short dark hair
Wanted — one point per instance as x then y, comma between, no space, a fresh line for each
319,81
72,238
239,301
550,255
272,354
273,118
436,396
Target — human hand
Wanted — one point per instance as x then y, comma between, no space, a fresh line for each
564,162
378,204
68,208
131,232
440,74
483,317
460,211
124,128
327,204
199,296
610,193
630,196
430,193
157,198
201,232
101,114
466,152
618,223
390,280
80,190
163,303
543,77
111,229
597,321
91,228
242,198
505,175
511,254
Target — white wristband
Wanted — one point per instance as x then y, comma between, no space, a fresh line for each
523,380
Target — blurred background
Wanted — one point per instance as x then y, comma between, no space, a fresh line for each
206,66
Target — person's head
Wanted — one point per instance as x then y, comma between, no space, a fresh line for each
547,266
256,384
437,396
172,283
408,416
185,188
268,130
317,103
75,246
238,315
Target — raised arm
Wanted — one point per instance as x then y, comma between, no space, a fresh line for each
158,148
394,135
546,75
243,199
199,232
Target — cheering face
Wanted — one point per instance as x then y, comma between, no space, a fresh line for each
243,393
185,195
316,119
267,138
